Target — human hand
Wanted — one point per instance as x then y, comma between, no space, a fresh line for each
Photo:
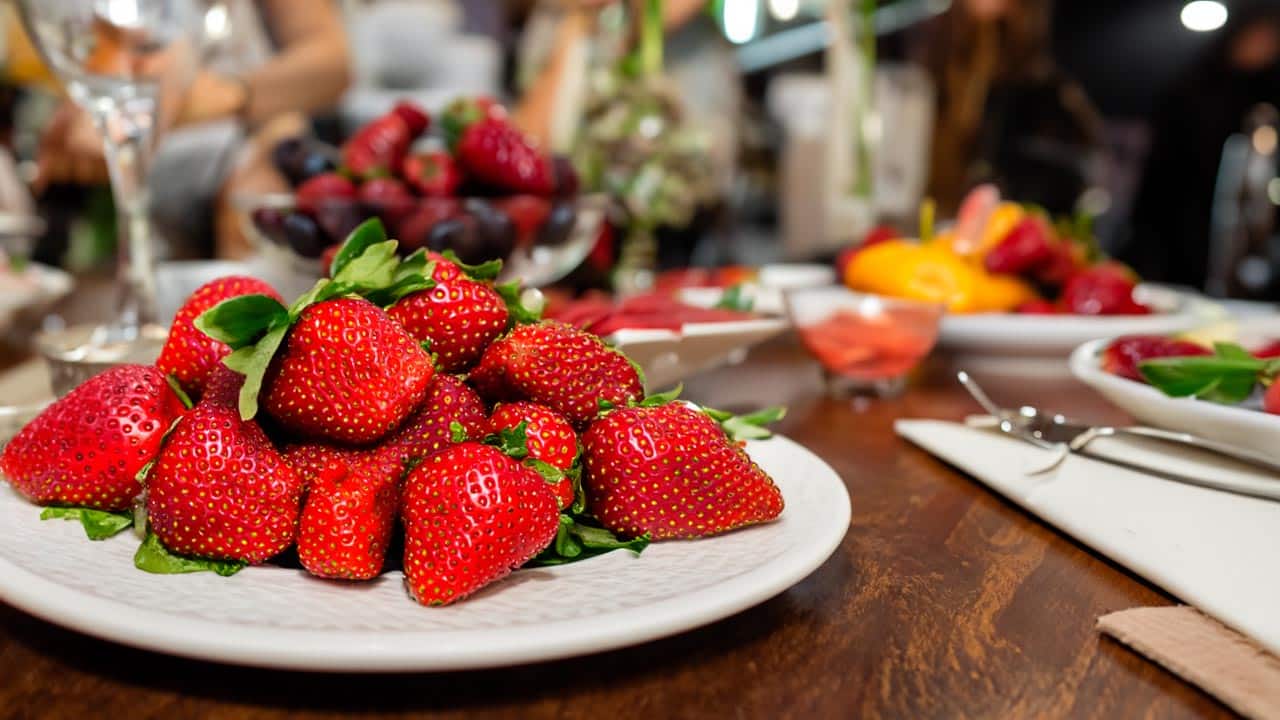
70,150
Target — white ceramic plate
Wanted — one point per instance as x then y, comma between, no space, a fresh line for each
1240,426
276,617
668,357
1008,334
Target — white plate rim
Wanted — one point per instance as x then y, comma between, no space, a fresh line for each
365,651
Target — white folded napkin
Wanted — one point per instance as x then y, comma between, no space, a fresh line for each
1217,551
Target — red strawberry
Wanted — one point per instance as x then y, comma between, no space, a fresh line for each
346,373
413,116
433,174
348,518
1101,290
458,318
219,490
320,192
670,471
1026,247
190,355
472,515
1271,400
548,437
1061,265
430,429
86,449
312,460
1268,351
557,365
378,147
496,153
528,213
222,388
1122,356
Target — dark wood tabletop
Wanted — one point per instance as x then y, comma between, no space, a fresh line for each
943,601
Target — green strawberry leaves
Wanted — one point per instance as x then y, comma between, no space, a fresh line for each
153,557
240,321
252,362
176,387
483,272
98,524
576,541
367,234
517,312
735,299
750,426
1228,376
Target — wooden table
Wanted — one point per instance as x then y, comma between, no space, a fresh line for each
943,601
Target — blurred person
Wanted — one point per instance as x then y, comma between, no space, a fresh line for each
275,63
1174,205
1005,112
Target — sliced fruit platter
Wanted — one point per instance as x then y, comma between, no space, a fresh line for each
408,418
467,181
1002,267
1219,390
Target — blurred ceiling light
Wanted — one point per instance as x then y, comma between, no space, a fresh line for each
784,10
215,22
1204,15
741,18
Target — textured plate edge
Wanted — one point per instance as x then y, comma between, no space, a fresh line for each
365,652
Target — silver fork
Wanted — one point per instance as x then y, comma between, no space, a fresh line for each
1057,433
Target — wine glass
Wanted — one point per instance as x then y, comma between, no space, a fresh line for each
126,63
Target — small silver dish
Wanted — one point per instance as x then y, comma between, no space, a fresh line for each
79,352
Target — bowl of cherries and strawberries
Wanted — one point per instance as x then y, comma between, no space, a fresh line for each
466,180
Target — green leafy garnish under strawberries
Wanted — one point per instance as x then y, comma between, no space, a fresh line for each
1228,376
153,557
98,524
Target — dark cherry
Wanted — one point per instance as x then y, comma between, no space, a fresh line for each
559,224
303,235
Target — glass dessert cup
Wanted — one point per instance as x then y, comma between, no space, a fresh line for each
866,344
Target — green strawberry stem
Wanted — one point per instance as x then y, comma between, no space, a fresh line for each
651,38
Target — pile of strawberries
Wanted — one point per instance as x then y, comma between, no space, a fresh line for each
468,181
398,397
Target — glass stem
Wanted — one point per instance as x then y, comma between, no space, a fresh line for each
127,155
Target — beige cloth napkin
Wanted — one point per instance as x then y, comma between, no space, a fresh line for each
1205,653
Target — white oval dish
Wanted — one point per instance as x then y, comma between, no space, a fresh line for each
1008,334
282,618
1243,427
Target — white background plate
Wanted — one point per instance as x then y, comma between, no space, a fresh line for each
275,617
1057,335
1239,426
